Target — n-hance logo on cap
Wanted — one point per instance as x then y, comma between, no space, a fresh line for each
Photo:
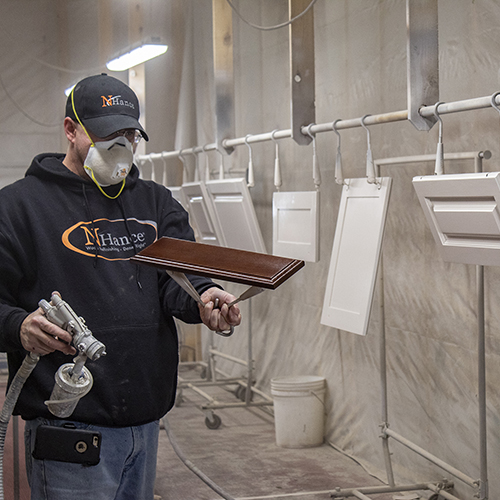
115,100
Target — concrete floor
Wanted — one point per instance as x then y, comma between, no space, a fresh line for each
241,457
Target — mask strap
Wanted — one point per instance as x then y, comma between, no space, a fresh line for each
102,190
78,118
93,145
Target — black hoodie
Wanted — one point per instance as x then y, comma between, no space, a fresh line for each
59,232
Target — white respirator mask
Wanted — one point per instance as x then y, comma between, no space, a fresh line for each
109,162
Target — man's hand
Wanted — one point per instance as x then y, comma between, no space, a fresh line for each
40,336
224,317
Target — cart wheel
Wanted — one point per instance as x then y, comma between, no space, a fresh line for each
242,394
214,422
238,392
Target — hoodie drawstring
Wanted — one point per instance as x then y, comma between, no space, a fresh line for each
91,217
137,268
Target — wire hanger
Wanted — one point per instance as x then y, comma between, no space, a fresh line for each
277,168
207,164
196,166
494,102
250,179
339,175
153,173
439,168
184,173
316,170
221,164
370,166
164,178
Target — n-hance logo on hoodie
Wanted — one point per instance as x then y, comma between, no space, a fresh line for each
110,239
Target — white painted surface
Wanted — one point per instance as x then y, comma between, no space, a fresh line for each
355,255
463,215
234,209
296,225
179,195
202,214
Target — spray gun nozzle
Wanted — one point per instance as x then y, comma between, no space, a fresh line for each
60,313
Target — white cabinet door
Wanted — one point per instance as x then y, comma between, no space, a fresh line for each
355,255
296,225
236,216
178,195
463,213
202,214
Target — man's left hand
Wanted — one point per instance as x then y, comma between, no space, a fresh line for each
222,318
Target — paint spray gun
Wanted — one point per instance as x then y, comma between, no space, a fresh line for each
72,380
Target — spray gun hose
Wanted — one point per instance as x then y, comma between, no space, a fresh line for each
211,484
15,388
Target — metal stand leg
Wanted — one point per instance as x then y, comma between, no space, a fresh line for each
245,389
440,489
481,354
383,376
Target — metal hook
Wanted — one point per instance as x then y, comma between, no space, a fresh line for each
272,135
339,176
366,128
309,133
248,145
153,174
250,181
196,166
164,178
184,172
494,102
207,163
221,165
182,158
439,167
316,171
438,117
277,168
334,128
370,167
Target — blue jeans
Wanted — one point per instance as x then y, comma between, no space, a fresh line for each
126,470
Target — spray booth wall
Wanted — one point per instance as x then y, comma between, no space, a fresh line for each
430,306
360,58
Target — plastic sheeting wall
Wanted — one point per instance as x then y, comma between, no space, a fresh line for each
430,305
360,68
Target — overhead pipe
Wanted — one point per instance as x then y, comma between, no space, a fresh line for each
394,116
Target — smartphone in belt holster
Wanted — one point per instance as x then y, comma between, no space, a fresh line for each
67,444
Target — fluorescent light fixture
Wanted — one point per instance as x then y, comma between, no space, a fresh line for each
136,55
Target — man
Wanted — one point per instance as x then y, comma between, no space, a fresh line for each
72,225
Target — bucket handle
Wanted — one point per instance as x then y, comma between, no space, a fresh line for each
320,400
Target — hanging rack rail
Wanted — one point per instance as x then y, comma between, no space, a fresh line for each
394,116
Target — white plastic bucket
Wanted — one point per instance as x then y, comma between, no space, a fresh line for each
299,410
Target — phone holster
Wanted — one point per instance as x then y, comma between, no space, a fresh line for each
67,444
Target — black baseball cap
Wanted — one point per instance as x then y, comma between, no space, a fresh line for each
104,105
